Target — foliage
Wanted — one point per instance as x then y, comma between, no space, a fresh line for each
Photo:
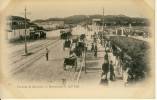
137,50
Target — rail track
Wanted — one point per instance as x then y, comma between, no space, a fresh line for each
21,65
34,50
20,52
26,61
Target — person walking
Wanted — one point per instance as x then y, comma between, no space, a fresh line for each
95,50
106,56
92,47
104,76
105,68
126,76
47,54
112,74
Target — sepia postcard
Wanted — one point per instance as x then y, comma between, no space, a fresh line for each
77,49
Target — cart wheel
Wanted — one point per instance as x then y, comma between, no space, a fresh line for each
75,65
64,66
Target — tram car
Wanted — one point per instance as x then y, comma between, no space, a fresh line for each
33,35
39,34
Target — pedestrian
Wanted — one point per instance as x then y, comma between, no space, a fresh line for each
106,56
105,68
47,54
112,74
95,51
92,47
126,76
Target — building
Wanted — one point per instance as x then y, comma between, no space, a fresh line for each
16,27
50,24
96,24
96,21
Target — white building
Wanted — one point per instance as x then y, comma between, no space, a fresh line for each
16,27
96,24
49,25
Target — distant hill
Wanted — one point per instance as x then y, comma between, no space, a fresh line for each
108,19
75,19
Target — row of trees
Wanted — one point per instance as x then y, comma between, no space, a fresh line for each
138,51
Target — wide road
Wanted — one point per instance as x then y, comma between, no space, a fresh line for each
38,69
35,67
43,70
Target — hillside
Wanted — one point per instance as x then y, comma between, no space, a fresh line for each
108,19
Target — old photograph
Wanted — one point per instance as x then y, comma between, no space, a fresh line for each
77,48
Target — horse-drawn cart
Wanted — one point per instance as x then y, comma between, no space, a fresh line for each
67,44
71,61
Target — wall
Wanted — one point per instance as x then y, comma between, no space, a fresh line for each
15,34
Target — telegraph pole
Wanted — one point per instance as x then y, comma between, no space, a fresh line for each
85,46
85,61
26,52
103,21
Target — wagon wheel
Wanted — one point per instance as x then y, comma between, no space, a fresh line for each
75,64
64,66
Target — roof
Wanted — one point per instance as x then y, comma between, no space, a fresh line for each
96,19
17,18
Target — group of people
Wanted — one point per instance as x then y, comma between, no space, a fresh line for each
108,71
109,67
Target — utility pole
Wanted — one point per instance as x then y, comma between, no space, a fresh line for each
26,52
87,25
103,21
85,46
85,61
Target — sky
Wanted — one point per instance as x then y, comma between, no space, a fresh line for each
43,9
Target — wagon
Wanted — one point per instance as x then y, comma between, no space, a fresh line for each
65,34
67,44
79,49
71,62
75,40
42,34
81,45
